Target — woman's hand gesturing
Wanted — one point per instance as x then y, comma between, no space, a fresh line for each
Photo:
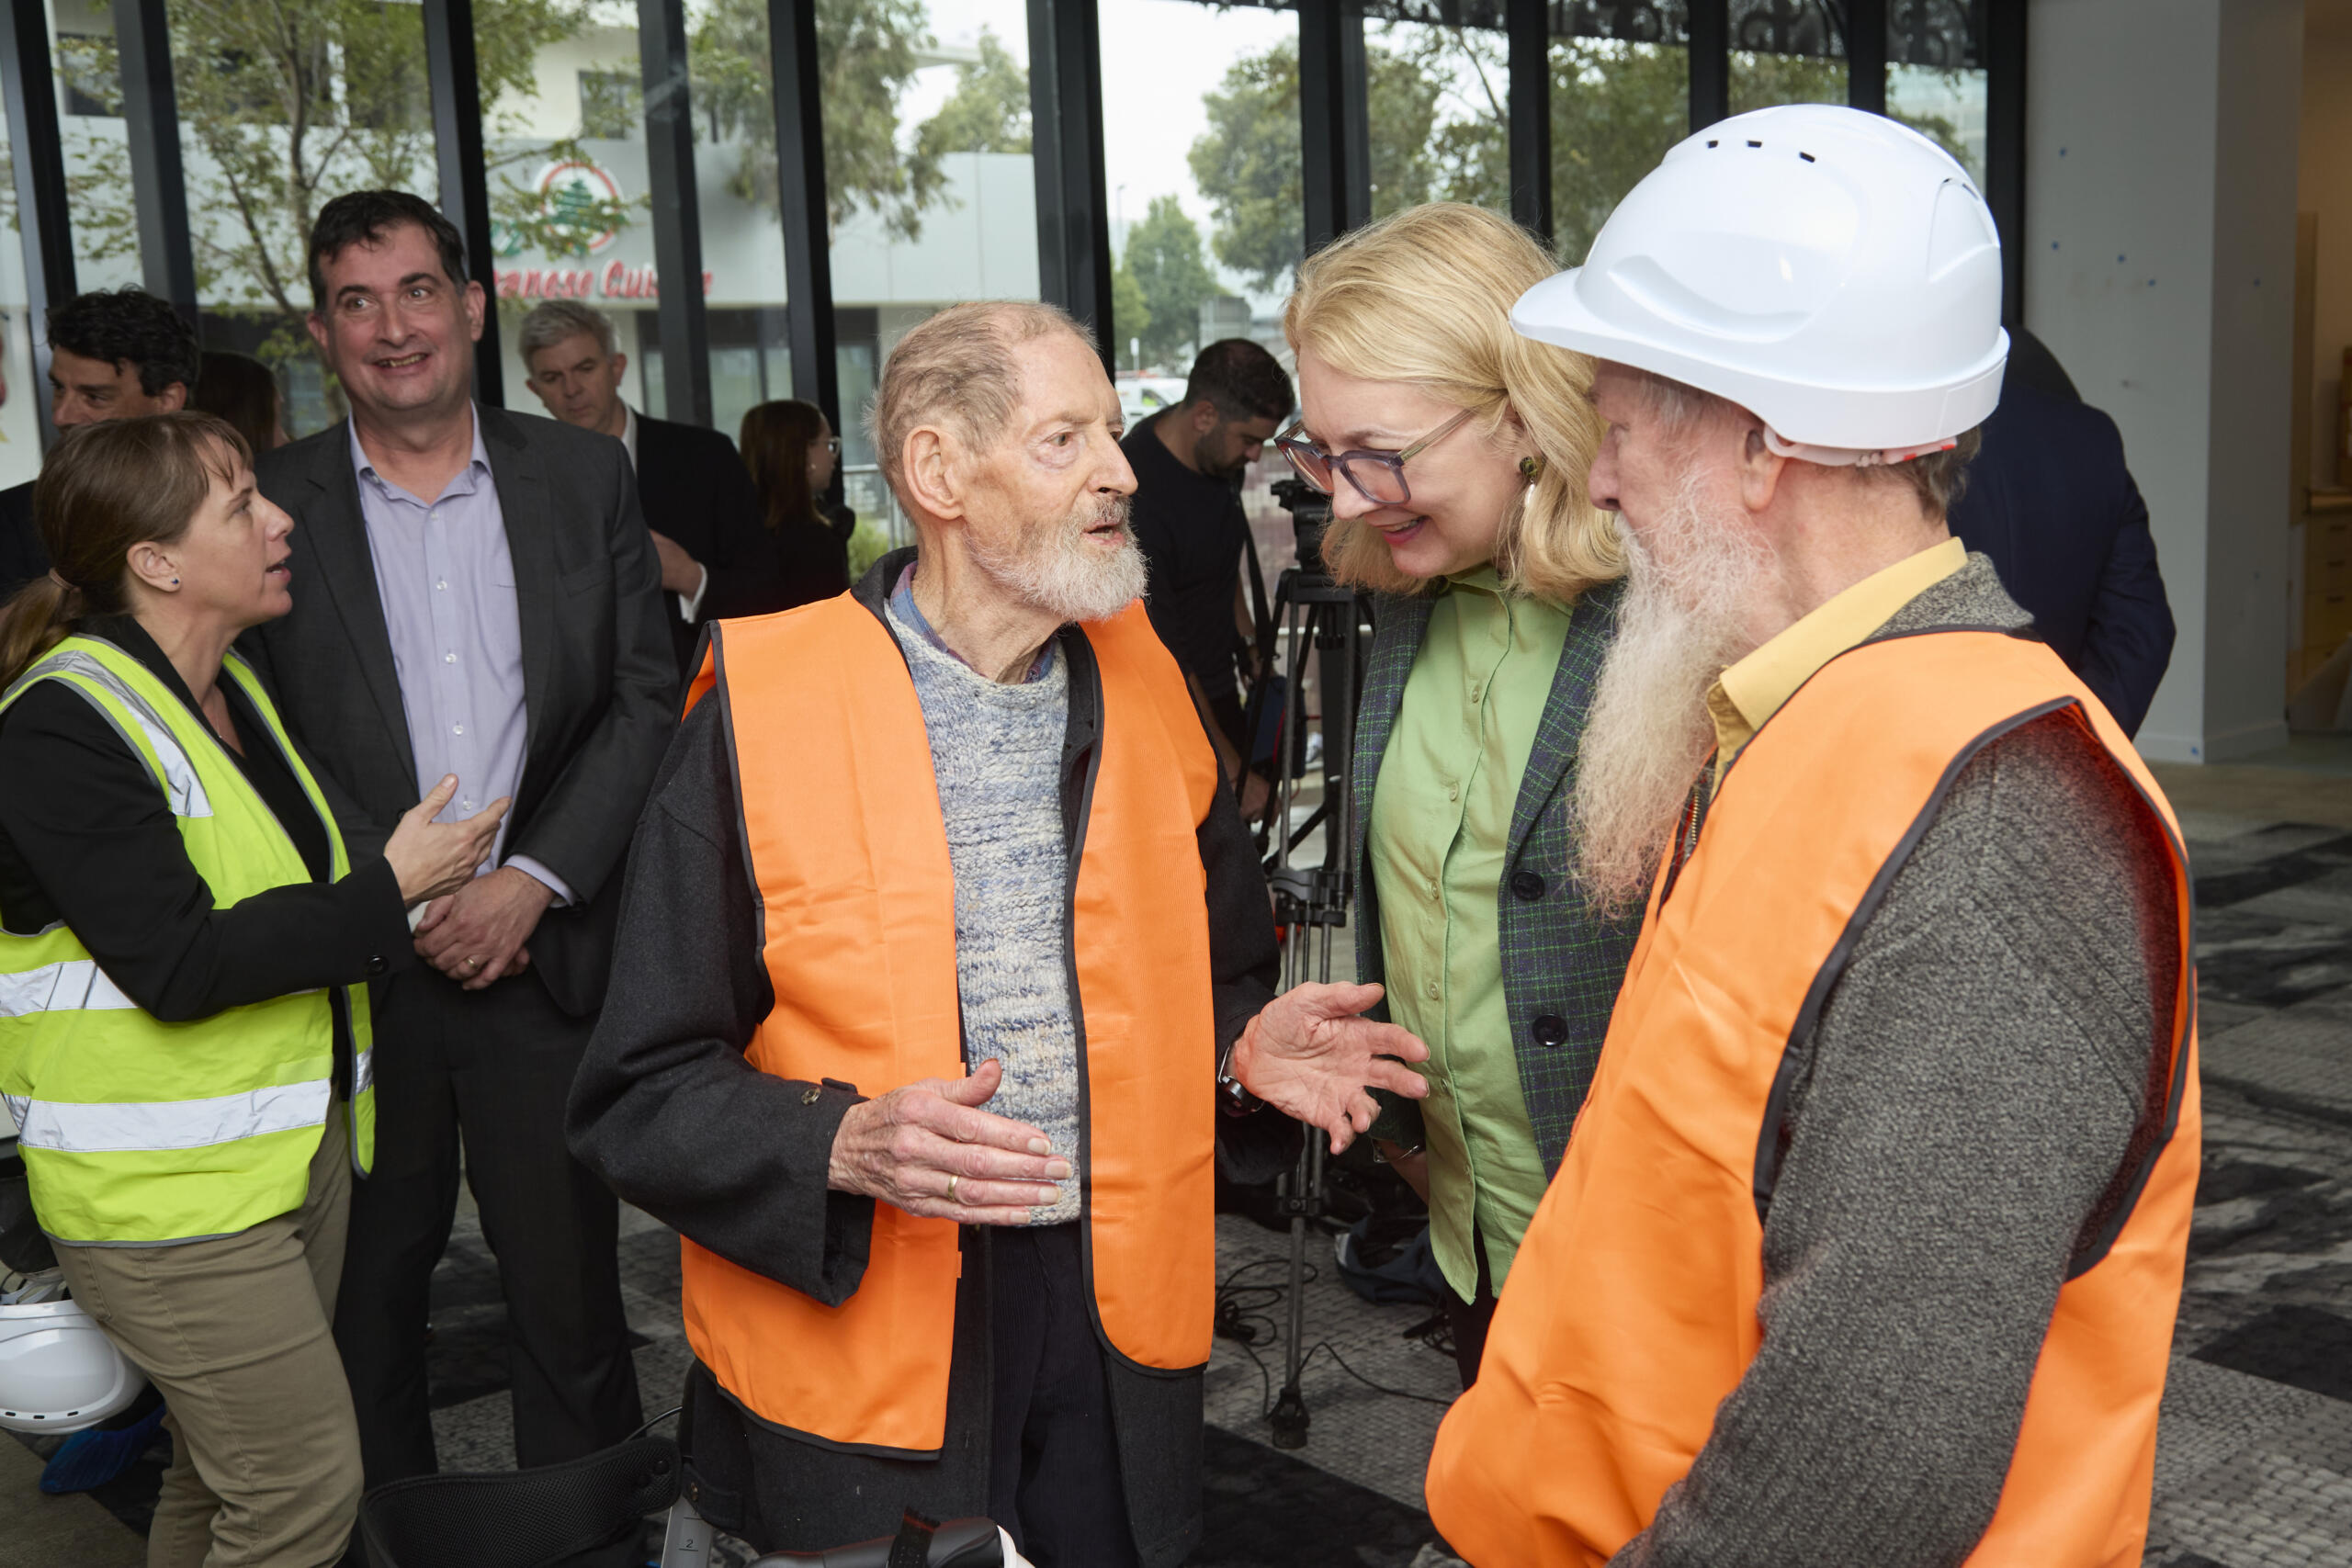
435,858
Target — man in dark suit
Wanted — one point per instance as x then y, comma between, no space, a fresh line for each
2050,499
476,594
112,355
717,559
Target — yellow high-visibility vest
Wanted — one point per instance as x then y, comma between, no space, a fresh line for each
138,1131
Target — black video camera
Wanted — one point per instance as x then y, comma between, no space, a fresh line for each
1310,519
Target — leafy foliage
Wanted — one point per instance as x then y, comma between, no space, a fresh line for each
867,53
989,111
1441,131
1130,315
1165,258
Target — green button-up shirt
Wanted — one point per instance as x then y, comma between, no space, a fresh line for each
1439,841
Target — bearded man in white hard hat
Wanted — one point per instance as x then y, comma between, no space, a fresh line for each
1867,1247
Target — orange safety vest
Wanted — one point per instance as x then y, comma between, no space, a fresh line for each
845,842
1631,1312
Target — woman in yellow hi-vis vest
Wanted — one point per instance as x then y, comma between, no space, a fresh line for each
184,947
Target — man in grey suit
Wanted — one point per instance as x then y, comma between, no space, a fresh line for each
476,594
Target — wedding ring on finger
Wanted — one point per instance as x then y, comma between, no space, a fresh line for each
951,1189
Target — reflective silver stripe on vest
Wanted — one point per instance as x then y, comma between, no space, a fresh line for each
187,791
363,1074
74,985
119,1129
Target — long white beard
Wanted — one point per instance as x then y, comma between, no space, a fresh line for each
1682,621
1054,568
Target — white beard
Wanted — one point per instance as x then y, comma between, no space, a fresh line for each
1682,619
1057,570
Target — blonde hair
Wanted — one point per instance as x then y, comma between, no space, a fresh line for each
1424,297
956,368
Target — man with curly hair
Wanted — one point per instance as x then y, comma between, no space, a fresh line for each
114,354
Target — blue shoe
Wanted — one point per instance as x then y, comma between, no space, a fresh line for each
91,1459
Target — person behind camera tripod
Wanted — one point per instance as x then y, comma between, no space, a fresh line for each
1454,454
965,816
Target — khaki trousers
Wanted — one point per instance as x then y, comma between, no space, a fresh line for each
235,1334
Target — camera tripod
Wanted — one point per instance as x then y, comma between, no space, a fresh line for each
1318,621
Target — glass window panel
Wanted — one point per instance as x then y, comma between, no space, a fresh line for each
20,394
1935,81
932,194
1206,202
98,151
742,225
1786,52
563,133
1440,104
1621,98
283,108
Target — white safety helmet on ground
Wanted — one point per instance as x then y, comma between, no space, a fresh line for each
1831,271
59,1372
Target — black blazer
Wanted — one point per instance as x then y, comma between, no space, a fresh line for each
695,490
22,555
598,677
2050,499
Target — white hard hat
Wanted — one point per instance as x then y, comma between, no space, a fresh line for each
59,1372
1831,271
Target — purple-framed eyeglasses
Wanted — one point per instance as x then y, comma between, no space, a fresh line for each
1378,477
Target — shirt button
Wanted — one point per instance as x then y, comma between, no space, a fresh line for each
448,658
1454,792
440,584
1432,886
456,730
1475,692
1431,990
465,805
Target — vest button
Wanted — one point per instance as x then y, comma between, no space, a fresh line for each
1551,1030
377,964
1527,885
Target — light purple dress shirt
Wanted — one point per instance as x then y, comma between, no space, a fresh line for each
447,585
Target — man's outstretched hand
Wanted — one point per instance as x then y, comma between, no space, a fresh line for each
930,1149
1310,1057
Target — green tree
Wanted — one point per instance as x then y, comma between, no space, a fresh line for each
989,111
1247,163
287,104
1165,258
1441,131
866,55
1130,315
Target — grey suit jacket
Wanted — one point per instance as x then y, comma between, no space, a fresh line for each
599,679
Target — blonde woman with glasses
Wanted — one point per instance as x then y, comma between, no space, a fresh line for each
1454,452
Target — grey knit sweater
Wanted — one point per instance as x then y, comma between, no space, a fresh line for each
1973,1085
996,750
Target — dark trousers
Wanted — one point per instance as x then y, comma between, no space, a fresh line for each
1470,1320
491,1069
1054,1478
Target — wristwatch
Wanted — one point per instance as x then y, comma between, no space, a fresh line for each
1231,1097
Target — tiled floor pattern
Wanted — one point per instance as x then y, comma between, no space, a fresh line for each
2254,1457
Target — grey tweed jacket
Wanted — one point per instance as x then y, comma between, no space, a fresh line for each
1562,964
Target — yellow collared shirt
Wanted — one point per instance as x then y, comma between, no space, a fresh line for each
1752,690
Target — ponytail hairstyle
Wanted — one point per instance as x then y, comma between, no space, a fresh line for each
776,441
1424,297
104,488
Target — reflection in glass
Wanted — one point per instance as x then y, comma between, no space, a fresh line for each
1786,52
1439,104
97,150
1621,98
1935,78
21,395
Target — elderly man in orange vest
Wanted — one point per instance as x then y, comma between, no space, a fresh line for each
954,841
1866,1249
